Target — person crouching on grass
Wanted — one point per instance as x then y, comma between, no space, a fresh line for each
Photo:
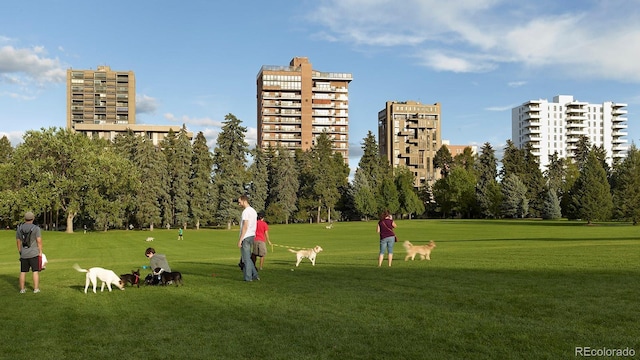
157,261
259,245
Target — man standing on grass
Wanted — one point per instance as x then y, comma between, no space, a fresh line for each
247,235
29,242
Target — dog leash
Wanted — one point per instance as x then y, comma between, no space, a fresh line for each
285,246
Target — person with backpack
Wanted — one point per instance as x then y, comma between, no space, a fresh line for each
29,242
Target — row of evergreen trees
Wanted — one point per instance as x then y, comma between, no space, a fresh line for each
584,188
67,177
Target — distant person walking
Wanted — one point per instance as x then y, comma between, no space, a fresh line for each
248,222
259,245
387,236
29,243
180,234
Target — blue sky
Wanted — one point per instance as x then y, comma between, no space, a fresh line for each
196,61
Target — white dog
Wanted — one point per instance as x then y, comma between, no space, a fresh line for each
307,253
107,277
149,238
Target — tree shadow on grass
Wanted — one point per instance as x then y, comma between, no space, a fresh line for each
11,280
537,239
537,222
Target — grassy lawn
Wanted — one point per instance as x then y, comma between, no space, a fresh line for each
493,290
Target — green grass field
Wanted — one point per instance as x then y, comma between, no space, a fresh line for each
493,290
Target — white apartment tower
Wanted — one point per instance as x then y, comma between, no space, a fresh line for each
556,127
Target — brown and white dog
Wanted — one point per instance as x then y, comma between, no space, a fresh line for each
307,253
423,250
94,274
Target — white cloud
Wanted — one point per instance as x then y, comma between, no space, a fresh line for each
15,137
515,84
585,39
459,63
31,63
193,121
146,104
251,136
500,108
211,128
17,96
10,79
212,137
383,22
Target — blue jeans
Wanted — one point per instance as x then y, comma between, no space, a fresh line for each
250,271
387,244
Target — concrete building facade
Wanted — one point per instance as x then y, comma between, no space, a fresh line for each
100,96
409,134
101,103
296,103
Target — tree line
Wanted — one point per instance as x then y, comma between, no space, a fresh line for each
70,180
584,187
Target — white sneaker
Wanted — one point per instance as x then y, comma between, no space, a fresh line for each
22,291
35,291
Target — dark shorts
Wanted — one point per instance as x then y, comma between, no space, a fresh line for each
33,263
259,248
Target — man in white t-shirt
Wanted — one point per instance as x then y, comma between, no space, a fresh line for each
247,235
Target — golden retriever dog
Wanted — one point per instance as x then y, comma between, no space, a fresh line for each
423,250
307,253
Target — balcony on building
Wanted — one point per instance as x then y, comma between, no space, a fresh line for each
576,131
618,140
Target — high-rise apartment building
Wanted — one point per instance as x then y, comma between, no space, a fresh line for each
101,96
297,103
101,103
409,134
557,126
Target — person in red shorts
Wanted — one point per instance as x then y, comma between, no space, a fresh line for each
259,245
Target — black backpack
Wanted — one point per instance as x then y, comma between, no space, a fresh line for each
26,237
